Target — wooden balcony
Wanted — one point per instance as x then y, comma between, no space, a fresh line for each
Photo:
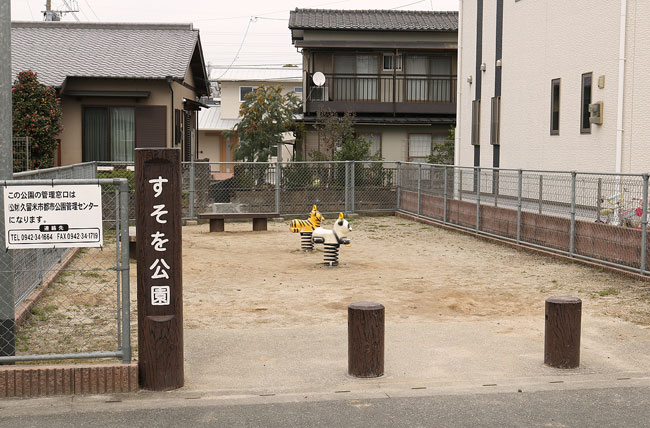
383,93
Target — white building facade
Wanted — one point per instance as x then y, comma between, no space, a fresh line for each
530,72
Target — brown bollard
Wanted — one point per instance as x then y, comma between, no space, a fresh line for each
562,332
366,339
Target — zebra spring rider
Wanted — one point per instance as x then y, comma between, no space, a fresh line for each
306,227
332,239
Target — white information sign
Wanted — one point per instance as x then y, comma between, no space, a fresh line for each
57,216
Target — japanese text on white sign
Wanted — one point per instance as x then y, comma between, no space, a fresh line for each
56,216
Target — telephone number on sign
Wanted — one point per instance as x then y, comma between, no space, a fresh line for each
25,237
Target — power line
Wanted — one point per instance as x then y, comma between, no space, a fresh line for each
92,10
405,5
30,10
250,21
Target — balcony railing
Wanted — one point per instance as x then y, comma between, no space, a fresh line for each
385,88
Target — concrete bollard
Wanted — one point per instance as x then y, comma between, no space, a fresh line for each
366,339
562,332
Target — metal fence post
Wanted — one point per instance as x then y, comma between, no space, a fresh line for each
541,193
399,185
599,198
192,189
419,186
347,186
572,232
124,268
519,190
644,225
118,263
7,314
353,179
478,198
278,181
444,203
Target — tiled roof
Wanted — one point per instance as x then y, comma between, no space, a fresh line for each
373,20
240,74
57,50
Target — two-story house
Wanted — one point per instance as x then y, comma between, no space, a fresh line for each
395,70
122,86
554,85
233,85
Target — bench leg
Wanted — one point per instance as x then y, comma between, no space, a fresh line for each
216,225
259,224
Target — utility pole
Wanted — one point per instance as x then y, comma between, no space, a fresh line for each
49,14
7,316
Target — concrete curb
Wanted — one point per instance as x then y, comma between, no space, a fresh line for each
34,381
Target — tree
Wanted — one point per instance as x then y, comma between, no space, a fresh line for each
265,115
443,153
339,139
37,115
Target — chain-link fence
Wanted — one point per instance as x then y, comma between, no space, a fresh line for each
597,217
594,216
286,188
21,148
69,303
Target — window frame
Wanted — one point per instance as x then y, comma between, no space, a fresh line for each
253,89
381,138
400,62
584,105
107,108
408,147
495,121
555,130
475,138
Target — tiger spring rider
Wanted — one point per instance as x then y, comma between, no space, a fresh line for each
306,227
332,239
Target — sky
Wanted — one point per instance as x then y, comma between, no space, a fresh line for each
233,32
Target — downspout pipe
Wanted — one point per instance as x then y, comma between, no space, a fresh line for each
621,87
170,81
459,88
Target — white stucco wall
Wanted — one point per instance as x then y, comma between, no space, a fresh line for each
230,94
544,40
636,125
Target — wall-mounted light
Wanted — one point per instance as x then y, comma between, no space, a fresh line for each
469,79
498,63
483,67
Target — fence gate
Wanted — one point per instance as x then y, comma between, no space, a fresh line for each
67,303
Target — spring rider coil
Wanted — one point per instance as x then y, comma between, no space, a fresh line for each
332,239
306,228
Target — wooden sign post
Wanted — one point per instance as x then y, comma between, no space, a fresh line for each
160,290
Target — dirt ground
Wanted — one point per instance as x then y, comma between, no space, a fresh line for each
244,279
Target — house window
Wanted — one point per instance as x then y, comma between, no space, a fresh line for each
476,122
495,126
245,90
555,107
585,125
390,64
419,147
375,142
108,134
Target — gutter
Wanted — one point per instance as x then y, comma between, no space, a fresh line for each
170,81
459,88
621,88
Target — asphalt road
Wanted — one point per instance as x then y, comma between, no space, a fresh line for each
605,407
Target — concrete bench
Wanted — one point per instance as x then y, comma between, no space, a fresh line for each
217,219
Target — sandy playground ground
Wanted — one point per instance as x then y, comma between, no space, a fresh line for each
420,273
